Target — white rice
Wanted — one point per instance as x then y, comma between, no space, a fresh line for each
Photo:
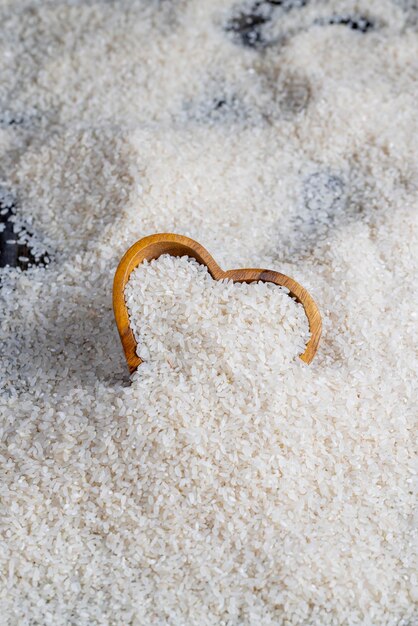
228,482
179,314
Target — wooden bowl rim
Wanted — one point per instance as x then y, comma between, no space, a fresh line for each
153,246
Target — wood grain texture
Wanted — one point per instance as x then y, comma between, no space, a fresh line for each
154,246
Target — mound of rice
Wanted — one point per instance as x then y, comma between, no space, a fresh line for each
179,315
227,482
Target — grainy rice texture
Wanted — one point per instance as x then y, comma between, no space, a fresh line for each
228,483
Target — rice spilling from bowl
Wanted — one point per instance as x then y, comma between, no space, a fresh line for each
179,313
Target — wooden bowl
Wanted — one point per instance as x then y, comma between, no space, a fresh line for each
177,245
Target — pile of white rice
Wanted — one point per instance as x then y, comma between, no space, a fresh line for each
180,315
228,482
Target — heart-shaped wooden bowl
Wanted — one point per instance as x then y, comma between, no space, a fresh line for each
177,245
